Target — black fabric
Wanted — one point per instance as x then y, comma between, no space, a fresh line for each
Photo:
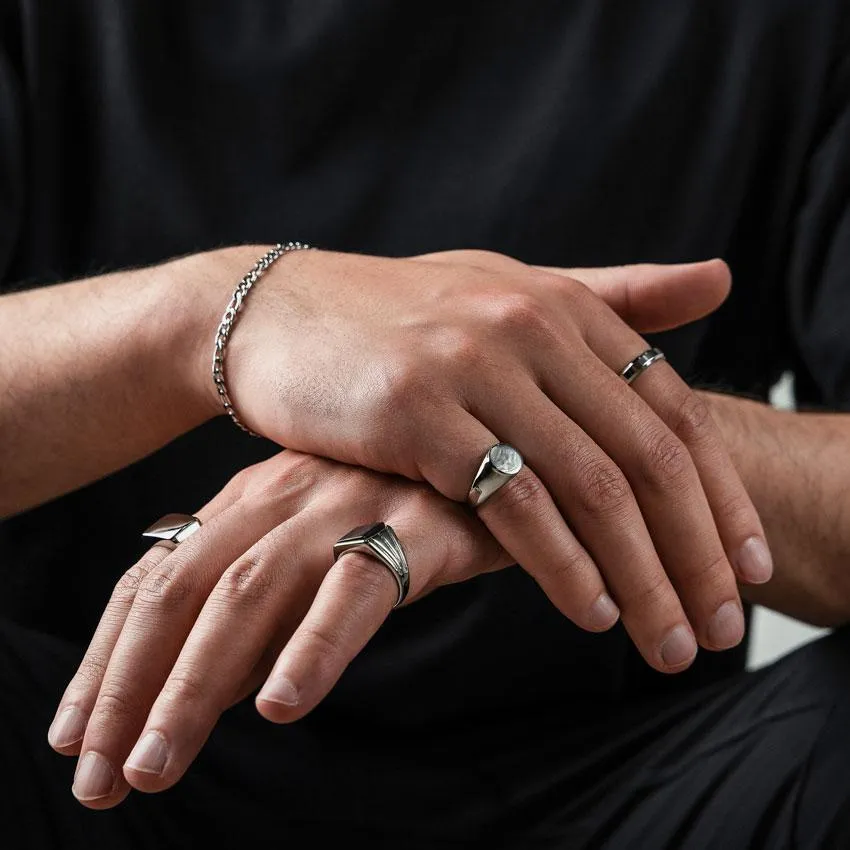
755,763
589,132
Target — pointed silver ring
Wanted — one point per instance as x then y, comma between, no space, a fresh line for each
171,529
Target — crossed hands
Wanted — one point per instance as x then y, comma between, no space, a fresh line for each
629,506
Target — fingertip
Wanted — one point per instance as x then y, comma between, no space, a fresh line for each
721,268
65,734
102,803
678,650
604,614
727,626
753,562
274,712
147,783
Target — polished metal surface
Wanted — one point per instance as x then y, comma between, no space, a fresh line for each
501,463
226,325
640,364
380,541
172,529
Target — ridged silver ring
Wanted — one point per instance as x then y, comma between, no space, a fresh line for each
380,541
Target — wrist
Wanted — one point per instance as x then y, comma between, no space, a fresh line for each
203,285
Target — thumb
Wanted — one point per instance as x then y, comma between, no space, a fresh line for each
651,297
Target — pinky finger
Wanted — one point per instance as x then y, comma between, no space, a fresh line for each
352,602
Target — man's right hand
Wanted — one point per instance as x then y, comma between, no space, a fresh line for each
417,366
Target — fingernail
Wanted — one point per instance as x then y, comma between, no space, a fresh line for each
678,647
150,754
603,613
754,562
281,690
726,627
67,727
94,777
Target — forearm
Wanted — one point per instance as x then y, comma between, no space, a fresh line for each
100,372
796,467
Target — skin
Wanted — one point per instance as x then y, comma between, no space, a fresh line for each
796,467
634,476
261,564
653,500
309,617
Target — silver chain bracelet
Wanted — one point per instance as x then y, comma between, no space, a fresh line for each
229,317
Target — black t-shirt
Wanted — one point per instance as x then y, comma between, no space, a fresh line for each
589,132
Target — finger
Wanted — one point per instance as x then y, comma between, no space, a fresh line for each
650,297
353,601
665,481
528,525
594,495
69,724
688,417
358,593
165,605
647,296
263,593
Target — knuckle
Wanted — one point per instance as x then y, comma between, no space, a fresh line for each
654,593
321,643
481,258
91,671
714,572
185,689
602,488
522,493
128,585
692,421
733,508
242,480
115,703
665,461
167,587
288,479
406,385
518,313
573,566
247,581
457,348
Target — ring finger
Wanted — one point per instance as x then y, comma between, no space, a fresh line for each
323,612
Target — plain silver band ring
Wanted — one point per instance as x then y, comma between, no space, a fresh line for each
171,529
501,463
380,541
640,364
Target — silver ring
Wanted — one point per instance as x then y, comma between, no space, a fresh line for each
171,529
380,541
640,364
501,463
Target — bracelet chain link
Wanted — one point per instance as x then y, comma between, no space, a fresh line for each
227,320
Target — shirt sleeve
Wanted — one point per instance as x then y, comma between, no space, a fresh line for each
11,140
819,282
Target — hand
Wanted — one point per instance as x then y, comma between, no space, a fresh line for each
280,591
188,633
417,366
